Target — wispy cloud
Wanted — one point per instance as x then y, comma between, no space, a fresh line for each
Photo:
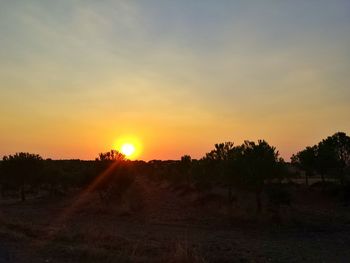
237,68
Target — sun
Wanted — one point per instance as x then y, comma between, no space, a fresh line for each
127,149
129,145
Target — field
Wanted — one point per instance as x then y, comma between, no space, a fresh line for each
156,221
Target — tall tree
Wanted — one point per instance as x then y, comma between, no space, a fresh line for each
257,163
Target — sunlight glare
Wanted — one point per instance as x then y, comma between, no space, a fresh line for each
128,145
127,149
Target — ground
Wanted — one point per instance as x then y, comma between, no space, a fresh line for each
157,222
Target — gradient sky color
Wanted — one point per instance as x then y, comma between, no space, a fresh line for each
76,76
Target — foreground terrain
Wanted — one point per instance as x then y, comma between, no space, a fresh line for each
157,222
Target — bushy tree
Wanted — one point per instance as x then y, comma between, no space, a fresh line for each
221,162
21,170
334,156
113,175
329,157
245,166
221,152
258,162
306,160
111,156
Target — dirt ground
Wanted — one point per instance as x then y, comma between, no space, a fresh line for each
158,223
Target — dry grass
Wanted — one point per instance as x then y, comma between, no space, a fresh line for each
155,224
182,252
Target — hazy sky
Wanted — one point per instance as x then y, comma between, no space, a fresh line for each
75,76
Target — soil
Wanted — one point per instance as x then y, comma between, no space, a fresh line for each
157,223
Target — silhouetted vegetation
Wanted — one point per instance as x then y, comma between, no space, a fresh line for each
251,167
329,160
247,184
113,175
21,172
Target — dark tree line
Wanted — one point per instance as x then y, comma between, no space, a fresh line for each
248,166
329,158
252,166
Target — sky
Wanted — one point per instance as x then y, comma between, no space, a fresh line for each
175,77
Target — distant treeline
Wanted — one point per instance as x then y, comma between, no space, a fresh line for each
252,166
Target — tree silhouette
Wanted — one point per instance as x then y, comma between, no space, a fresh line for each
258,163
112,155
306,160
222,162
334,156
21,170
221,152
186,167
113,175
329,157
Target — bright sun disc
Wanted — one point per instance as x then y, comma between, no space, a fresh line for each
128,145
127,149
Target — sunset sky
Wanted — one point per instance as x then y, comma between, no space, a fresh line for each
76,77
